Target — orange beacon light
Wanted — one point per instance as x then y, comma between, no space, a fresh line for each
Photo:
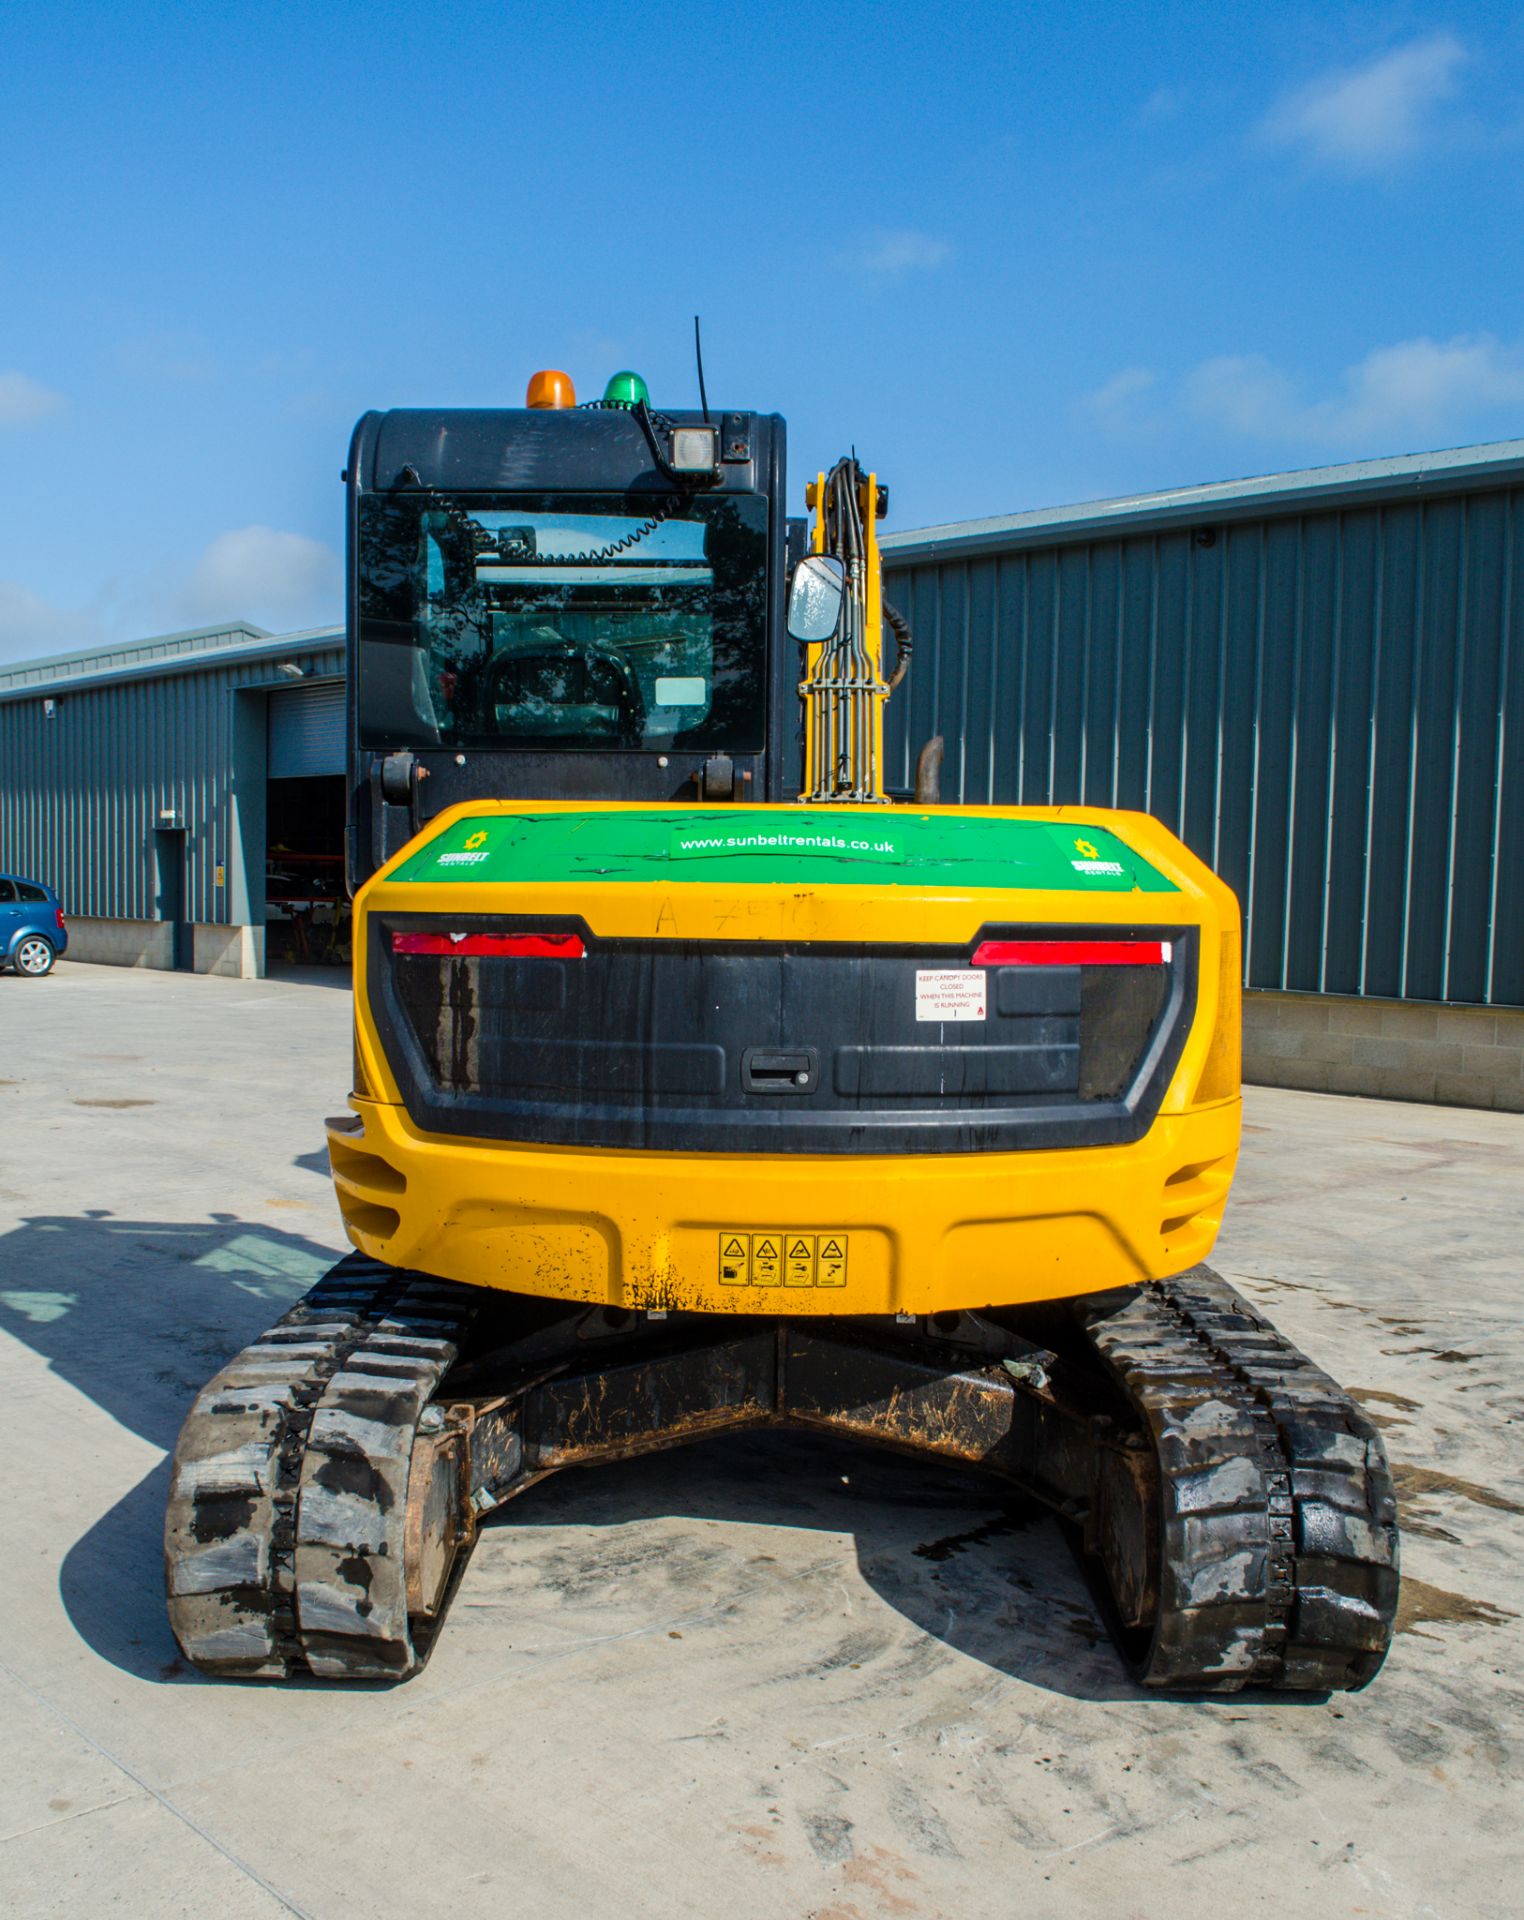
551,389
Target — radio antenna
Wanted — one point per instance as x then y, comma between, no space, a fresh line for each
698,354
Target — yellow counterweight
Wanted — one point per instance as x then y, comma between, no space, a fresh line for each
758,1231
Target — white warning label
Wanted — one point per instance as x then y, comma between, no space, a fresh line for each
945,994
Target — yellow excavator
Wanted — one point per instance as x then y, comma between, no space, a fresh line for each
700,1082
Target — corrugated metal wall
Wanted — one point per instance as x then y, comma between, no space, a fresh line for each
1327,706
82,792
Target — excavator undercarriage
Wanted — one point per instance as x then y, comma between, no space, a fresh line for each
1233,1507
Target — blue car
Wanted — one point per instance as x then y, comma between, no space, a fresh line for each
32,932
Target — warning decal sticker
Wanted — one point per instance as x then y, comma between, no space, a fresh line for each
799,1261
766,1259
781,1257
832,1258
949,993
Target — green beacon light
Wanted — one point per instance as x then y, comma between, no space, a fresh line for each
626,390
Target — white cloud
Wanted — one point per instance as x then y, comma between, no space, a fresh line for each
278,580
1244,393
1428,382
281,581
24,400
1394,395
1369,116
31,627
894,252
1119,403
1415,386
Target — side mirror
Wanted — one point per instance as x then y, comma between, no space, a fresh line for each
814,599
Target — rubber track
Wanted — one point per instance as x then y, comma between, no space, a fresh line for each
283,1539
1278,1548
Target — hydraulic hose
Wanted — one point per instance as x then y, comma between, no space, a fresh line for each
845,682
904,644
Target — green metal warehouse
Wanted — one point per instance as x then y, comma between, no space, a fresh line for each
1317,680
159,786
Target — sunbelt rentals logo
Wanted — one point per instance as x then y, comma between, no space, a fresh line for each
471,855
1090,860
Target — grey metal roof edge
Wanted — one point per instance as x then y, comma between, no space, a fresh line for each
162,666
1399,477
76,661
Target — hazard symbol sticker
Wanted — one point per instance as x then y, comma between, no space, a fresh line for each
781,1257
831,1260
799,1260
766,1259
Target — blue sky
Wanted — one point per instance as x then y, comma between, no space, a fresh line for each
1017,255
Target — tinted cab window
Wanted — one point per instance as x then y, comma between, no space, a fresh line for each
566,622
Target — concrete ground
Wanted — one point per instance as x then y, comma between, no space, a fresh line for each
760,1678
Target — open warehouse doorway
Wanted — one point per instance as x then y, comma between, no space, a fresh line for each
306,910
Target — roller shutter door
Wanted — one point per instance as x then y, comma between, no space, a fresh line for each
307,730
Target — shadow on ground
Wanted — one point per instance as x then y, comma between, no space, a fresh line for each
139,1314
310,976
981,1571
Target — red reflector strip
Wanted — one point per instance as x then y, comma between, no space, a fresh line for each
509,946
1071,953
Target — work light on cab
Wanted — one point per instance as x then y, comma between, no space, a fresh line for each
695,449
